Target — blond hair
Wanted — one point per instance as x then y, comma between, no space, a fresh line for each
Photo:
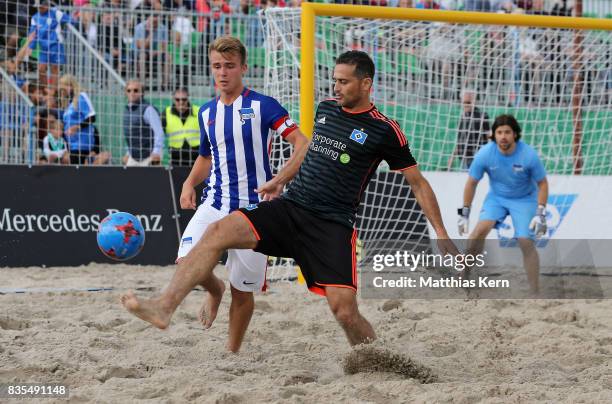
70,80
229,44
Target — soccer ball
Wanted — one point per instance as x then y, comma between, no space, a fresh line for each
121,236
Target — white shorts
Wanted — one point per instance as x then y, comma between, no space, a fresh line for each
247,268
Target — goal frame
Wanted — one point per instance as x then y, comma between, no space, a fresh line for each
311,10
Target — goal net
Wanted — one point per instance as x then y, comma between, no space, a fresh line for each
557,82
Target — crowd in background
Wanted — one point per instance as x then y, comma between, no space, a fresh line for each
137,37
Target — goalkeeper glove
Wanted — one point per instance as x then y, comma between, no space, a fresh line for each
538,223
463,223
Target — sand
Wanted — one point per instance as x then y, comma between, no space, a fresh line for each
480,351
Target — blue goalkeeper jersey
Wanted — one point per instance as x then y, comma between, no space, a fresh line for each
510,176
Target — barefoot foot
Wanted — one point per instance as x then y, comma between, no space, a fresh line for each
148,310
210,306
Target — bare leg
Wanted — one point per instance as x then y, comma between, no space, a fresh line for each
343,304
478,236
241,311
54,76
476,241
42,74
233,231
531,261
210,306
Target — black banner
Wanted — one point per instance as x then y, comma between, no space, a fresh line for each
49,215
179,175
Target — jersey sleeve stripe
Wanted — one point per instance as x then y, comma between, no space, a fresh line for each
277,124
394,125
406,168
251,225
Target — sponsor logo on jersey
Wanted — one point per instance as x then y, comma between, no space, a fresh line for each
252,206
289,123
517,168
321,121
358,136
557,207
246,113
345,158
186,241
248,283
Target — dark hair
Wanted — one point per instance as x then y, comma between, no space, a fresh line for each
182,90
509,120
364,67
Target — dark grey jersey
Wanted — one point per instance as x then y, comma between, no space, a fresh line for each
345,150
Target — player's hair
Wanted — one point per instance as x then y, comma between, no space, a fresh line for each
506,119
364,66
70,80
229,44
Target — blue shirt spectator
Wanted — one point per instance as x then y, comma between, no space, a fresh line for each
46,27
81,138
153,36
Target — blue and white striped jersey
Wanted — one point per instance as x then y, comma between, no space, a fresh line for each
239,137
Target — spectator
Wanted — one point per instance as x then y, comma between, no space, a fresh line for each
43,121
477,5
52,101
562,8
428,4
405,4
524,4
180,48
472,132
145,5
142,128
79,117
180,122
45,32
211,12
11,46
537,8
12,70
35,92
506,6
110,37
55,150
212,23
151,40
177,5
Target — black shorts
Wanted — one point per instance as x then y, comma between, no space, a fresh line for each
324,250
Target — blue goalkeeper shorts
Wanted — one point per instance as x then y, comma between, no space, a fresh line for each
521,210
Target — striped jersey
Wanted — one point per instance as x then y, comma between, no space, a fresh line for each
239,137
345,150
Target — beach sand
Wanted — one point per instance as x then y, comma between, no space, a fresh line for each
492,351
